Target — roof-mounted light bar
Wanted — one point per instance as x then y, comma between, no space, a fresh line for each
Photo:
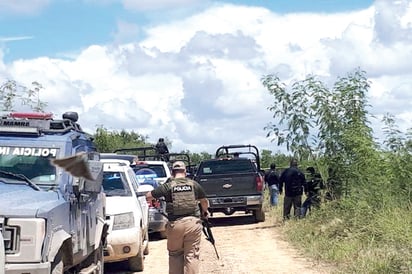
32,115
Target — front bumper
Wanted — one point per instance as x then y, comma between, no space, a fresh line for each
122,244
18,268
34,268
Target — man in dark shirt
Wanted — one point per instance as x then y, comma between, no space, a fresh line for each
184,229
293,180
272,181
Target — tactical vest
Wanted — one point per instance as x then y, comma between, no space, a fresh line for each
183,198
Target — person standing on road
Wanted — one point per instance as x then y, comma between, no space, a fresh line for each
294,181
272,180
184,228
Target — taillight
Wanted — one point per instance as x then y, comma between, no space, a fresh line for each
154,204
259,183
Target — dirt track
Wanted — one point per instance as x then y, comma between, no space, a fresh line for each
243,247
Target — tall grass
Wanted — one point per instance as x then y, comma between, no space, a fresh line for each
354,236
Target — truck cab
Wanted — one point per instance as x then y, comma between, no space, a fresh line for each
50,220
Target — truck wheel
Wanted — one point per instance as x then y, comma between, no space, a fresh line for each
95,260
259,215
136,263
99,258
146,240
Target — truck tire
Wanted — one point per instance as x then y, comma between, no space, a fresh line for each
259,215
95,260
146,240
136,263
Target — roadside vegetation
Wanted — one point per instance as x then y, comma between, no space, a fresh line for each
365,223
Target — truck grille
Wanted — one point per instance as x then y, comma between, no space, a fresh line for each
11,238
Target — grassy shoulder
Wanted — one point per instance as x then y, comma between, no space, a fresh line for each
352,235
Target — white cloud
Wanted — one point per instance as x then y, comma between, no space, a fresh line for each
196,80
22,6
156,4
126,32
15,38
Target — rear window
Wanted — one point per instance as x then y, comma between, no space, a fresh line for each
115,184
158,169
225,166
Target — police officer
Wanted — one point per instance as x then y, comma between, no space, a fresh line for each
184,229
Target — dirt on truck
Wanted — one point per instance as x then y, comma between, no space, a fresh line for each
233,181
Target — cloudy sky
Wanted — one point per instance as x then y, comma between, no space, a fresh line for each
190,70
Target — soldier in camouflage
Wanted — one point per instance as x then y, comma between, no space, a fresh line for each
313,186
184,229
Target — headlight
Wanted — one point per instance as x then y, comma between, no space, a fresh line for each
24,239
123,221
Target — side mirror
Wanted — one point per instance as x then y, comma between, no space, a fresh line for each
96,170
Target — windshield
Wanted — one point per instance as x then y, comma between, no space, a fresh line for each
115,184
32,162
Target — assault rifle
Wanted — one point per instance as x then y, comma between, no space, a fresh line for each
208,233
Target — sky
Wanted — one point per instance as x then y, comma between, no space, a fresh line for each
190,70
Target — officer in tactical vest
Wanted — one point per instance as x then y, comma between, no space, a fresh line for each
184,229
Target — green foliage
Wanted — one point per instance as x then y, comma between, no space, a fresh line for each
267,157
356,237
368,228
315,123
108,141
196,158
11,91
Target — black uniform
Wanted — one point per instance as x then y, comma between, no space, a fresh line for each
293,180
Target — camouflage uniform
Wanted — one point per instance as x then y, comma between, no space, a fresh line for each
312,189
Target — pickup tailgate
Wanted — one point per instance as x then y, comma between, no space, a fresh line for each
229,184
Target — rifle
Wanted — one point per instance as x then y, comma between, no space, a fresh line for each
209,235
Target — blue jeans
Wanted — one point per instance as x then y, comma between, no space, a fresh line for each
274,192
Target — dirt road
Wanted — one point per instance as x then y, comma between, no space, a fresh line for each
243,247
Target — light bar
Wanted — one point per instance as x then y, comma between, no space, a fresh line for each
32,115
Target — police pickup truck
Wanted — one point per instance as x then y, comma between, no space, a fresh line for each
233,182
50,220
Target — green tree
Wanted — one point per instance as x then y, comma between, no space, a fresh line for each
11,92
327,125
108,141
8,93
398,160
